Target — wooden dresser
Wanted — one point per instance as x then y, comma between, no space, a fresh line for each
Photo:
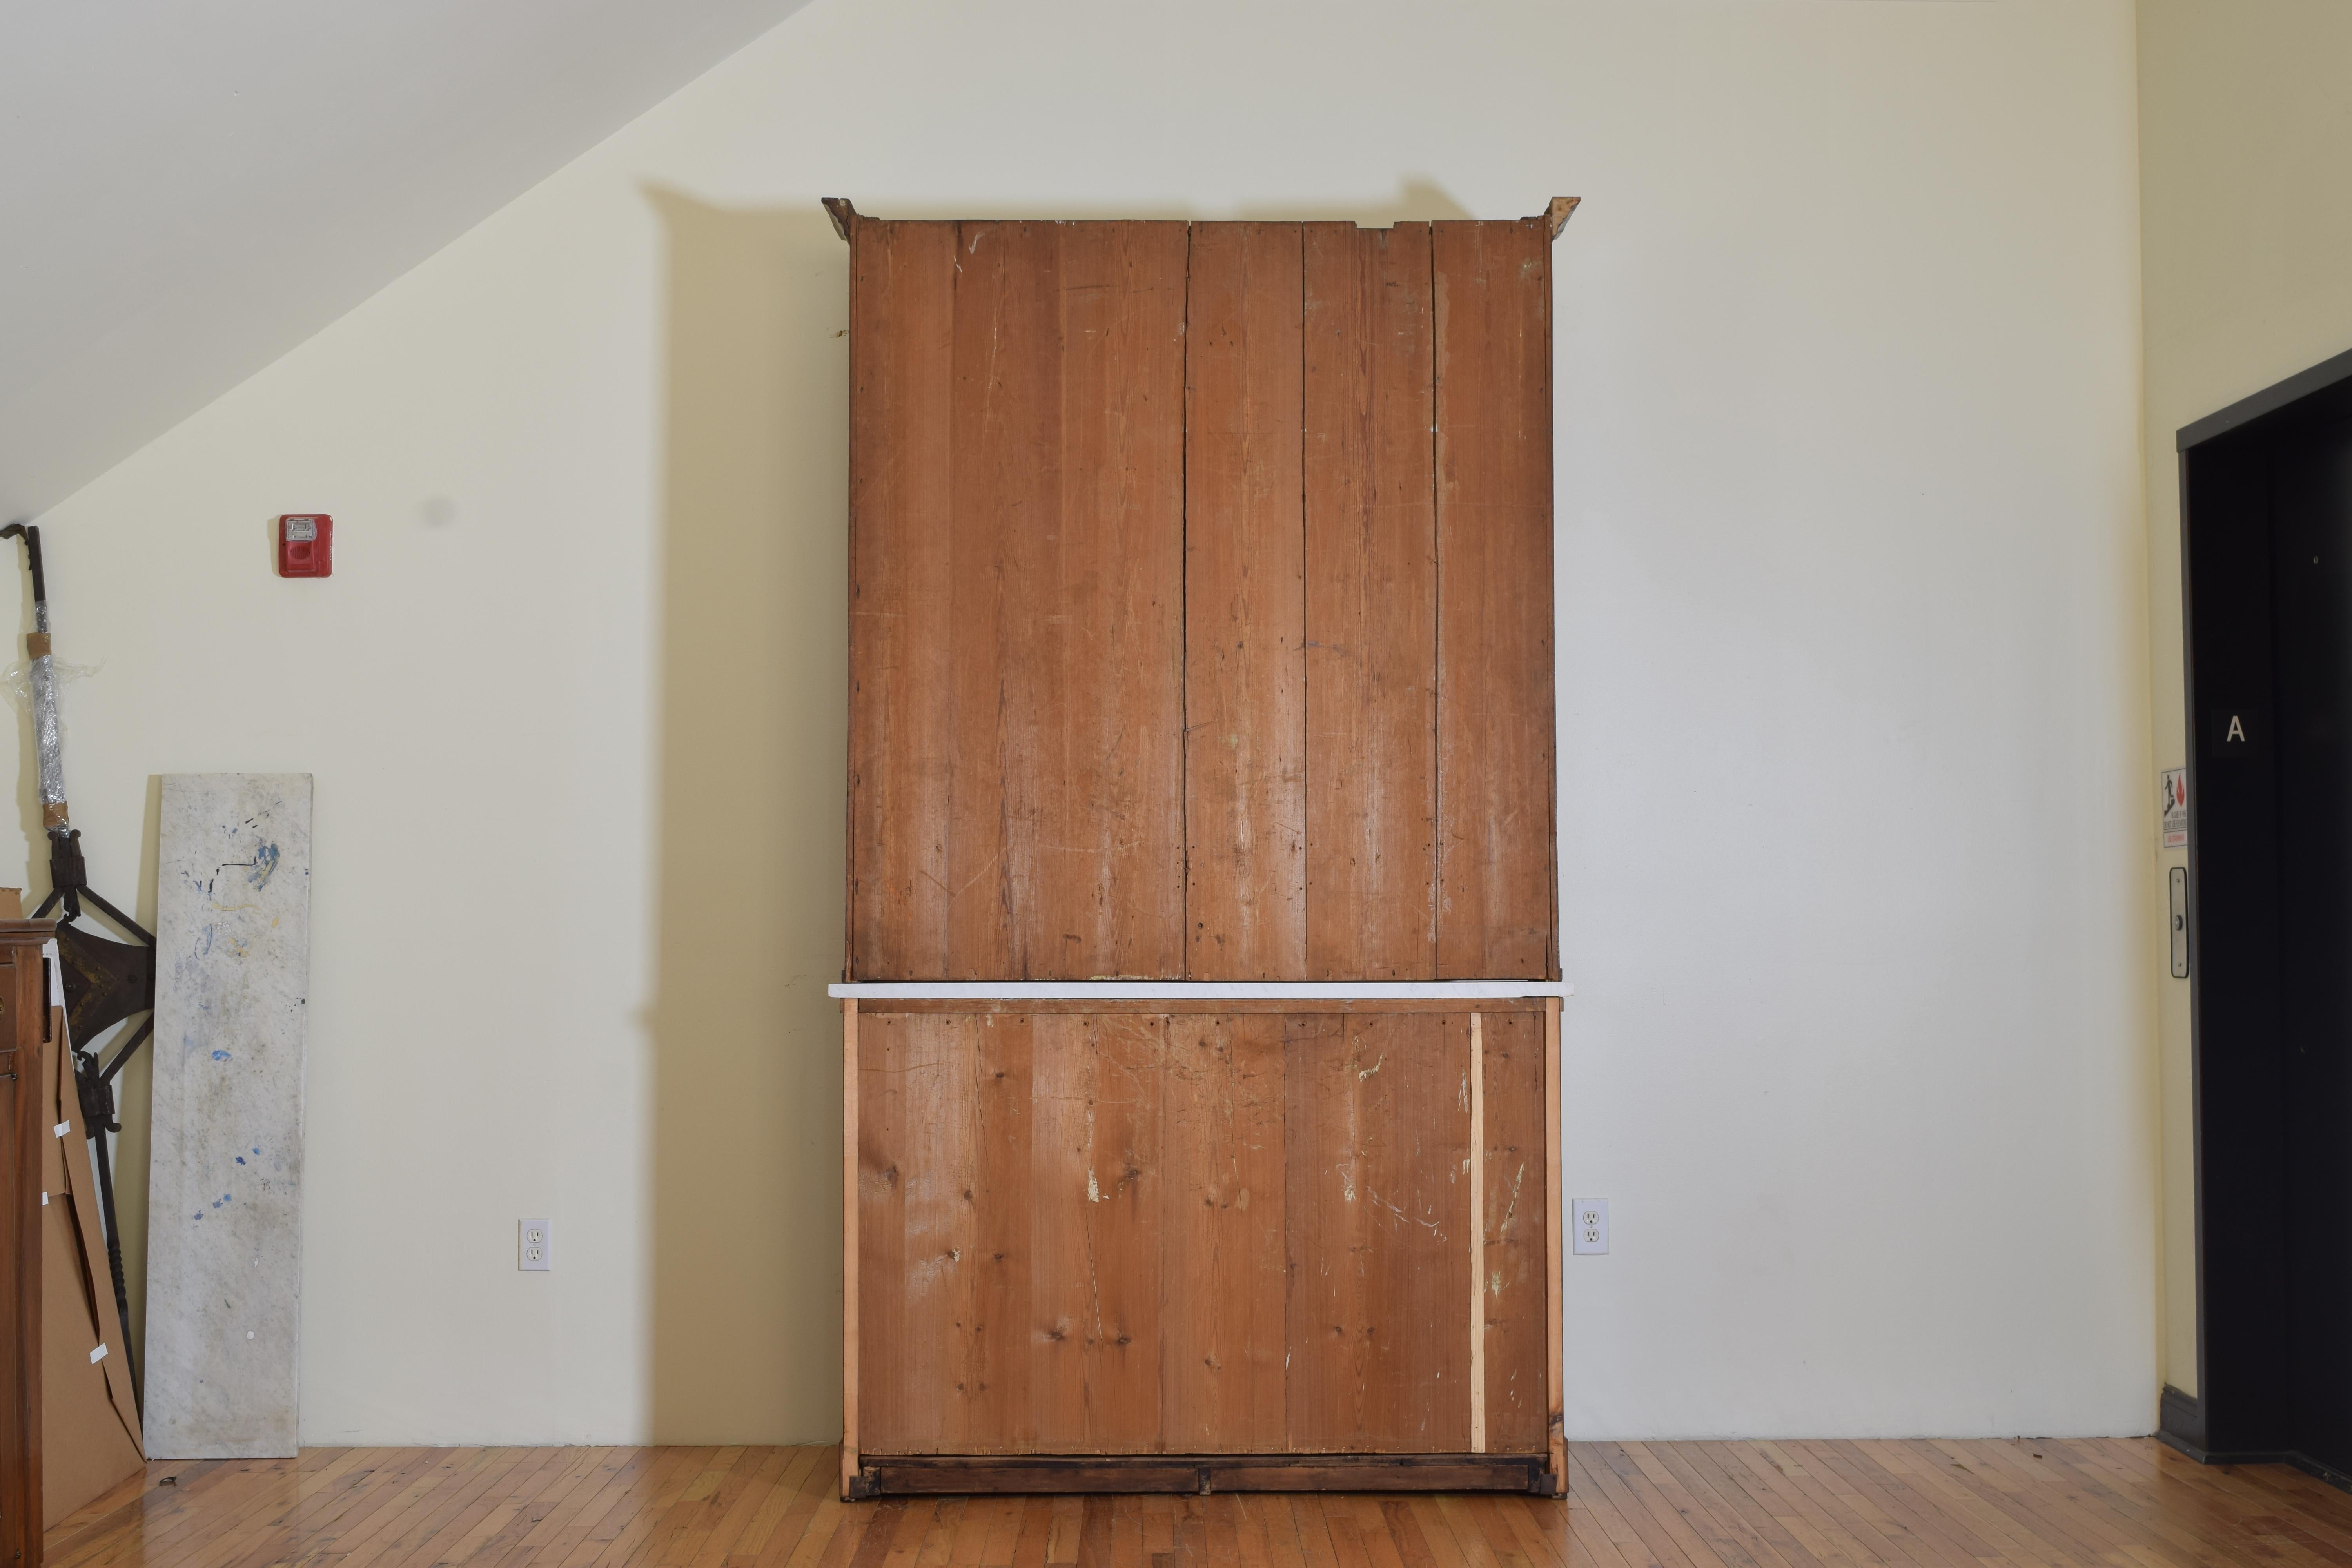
25,1130
1201,1001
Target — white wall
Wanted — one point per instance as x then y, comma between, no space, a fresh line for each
1851,672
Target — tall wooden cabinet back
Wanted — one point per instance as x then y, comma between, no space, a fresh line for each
1201,601
1201,630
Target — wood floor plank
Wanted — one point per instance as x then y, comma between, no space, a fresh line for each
1849,1540
1437,1536
1699,1465
2022,1537
1923,1503
2198,1503
1468,1535
1036,1532
208,1500
397,1491
2024,1477
397,1495
1733,1530
1602,1510
194,1525
1661,1527
444,1537
620,1470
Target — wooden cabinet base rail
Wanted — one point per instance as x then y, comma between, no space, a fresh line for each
883,1476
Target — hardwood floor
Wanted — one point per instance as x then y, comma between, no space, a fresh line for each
1675,1505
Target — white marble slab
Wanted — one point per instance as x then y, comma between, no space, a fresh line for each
225,1178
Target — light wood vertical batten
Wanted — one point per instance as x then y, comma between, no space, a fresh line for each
1475,1081
849,1230
1556,1417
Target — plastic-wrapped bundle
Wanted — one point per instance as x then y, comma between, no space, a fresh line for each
48,741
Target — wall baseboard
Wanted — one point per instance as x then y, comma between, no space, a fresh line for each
2181,1421
2181,1424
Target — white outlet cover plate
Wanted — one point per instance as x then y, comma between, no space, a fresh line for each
1590,1233
540,1259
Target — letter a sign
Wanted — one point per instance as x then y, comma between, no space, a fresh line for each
2234,732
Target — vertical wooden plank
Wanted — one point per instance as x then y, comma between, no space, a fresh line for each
1125,1224
1372,604
1244,606
1377,1131
1061,1268
1553,1348
901,328
1092,693
1515,1304
916,1209
1318,1227
999,1365
1223,1237
849,1224
1005,447
877,1201
1475,1235
1495,859
1096,1222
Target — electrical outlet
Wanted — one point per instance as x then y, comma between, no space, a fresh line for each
1592,1224
538,1246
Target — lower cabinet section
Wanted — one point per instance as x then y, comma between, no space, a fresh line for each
1093,1248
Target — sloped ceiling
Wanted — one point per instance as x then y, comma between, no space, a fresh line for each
189,188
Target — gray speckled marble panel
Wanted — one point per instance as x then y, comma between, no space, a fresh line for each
225,1178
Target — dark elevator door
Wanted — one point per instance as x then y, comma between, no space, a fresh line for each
2311,566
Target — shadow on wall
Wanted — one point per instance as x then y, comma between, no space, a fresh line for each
746,1074
747,1128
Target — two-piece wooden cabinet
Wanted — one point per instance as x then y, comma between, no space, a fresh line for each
1201,1003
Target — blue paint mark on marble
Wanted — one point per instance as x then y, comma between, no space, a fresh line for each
265,864
220,1055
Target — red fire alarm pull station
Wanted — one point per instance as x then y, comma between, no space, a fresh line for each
306,545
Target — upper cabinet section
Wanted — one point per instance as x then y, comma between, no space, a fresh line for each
1201,601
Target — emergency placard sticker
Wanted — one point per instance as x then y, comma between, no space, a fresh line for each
2175,800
